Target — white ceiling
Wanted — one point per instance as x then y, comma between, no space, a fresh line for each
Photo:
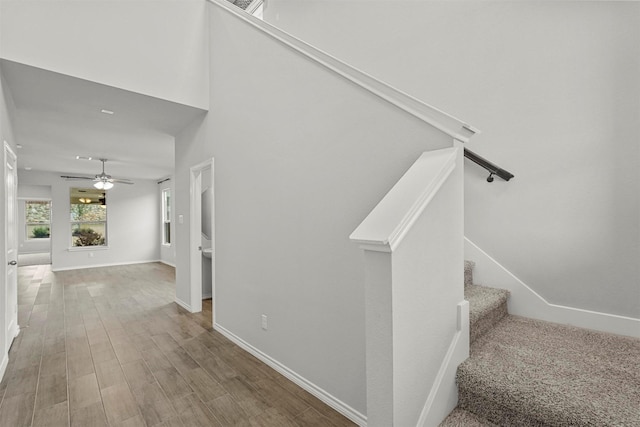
59,117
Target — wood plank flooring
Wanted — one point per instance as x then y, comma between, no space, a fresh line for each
109,347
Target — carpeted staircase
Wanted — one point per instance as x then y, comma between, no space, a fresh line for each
525,372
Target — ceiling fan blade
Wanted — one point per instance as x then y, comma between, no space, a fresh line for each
68,177
102,177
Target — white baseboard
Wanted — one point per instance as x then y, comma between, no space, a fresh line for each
443,396
3,365
207,296
16,330
170,264
113,264
525,302
318,392
183,304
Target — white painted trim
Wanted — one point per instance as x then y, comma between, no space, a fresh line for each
427,113
88,248
36,199
3,365
526,302
388,223
14,331
207,296
183,305
113,264
318,392
170,264
255,4
443,396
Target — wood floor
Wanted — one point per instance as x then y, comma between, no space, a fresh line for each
108,346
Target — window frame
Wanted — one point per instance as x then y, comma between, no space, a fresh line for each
73,223
166,216
27,224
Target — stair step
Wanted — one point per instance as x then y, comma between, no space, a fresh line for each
535,373
487,306
461,418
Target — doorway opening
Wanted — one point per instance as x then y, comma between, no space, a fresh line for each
34,225
202,235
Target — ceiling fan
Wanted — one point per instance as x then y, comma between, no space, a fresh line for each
101,181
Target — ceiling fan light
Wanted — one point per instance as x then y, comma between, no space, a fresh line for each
107,185
100,185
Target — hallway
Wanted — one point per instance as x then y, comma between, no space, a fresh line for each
108,346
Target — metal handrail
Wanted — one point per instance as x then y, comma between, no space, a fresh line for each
491,167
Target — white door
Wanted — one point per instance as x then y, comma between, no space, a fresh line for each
11,244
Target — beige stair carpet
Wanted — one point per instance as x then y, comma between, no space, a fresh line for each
527,372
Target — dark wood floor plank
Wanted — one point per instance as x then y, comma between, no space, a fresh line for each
172,383
227,410
52,389
83,391
17,410
52,416
153,404
195,413
92,415
22,380
119,403
205,387
137,374
109,373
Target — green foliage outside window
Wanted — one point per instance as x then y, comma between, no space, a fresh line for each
40,232
87,237
37,219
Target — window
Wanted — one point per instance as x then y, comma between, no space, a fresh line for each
38,219
88,217
166,216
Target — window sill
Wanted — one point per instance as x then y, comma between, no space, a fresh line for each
87,248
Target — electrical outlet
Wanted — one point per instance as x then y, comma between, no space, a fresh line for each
264,322
90,254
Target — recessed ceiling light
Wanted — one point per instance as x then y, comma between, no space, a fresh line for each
106,111
18,146
83,158
27,168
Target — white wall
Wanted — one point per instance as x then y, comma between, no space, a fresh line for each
132,223
168,252
26,245
554,88
189,151
106,42
291,185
